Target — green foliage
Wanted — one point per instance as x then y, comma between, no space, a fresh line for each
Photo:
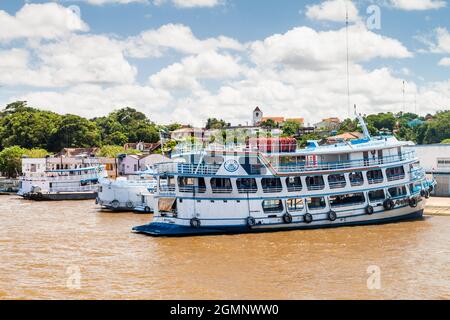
75,132
11,159
290,128
126,125
269,124
214,123
446,141
304,139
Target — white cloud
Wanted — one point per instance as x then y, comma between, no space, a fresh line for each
153,43
445,62
74,60
190,3
410,5
441,41
185,75
103,2
47,21
333,10
304,47
93,100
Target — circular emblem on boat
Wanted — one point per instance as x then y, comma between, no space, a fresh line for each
231,165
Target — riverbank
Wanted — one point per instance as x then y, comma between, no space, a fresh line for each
438,207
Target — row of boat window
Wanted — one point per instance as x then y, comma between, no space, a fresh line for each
336,201
293,184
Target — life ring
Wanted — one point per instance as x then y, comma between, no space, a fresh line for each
115,204
388,204
287,218
308,218
251,221
369,210
332,216
130,205
195,223
413,202
147,209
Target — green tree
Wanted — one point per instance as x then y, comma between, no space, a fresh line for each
269,124
213,123
290,128
75,132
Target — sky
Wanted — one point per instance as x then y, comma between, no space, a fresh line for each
188,60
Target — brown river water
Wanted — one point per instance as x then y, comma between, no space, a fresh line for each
71,250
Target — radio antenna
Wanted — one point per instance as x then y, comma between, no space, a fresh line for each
348,70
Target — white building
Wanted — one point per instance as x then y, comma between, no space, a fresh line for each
435,159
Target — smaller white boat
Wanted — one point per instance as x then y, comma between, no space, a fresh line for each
63,184
125,194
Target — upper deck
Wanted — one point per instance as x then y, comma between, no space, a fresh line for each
241,160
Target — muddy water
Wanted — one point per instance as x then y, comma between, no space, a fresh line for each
71,250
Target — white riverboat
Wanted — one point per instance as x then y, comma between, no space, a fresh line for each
127,194
80,183
260,186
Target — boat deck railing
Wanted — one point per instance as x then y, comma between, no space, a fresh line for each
280,168
330,166
61,178
74,189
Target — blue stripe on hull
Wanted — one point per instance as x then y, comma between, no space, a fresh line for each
170,230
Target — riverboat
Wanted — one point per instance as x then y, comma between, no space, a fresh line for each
264,185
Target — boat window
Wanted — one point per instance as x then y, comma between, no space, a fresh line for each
271,185
271,206
347,199
375,176
246,185
396,173
221,185
376,195
336,181
188,184
296,204
356,178
316,203
315,183
294,184
397,191
167,184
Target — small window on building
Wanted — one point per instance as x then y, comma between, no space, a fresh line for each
271,185
375,176
398,192
221,185
347,199
296,204
315,183
294,184
316,203
247,185
376,195
443,162
272,206
336,181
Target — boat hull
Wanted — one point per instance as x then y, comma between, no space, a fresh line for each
62,196
158,229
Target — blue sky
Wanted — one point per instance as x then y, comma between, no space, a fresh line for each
186,60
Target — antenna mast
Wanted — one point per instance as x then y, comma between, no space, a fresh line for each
348,72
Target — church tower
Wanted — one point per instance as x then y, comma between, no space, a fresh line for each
257,116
